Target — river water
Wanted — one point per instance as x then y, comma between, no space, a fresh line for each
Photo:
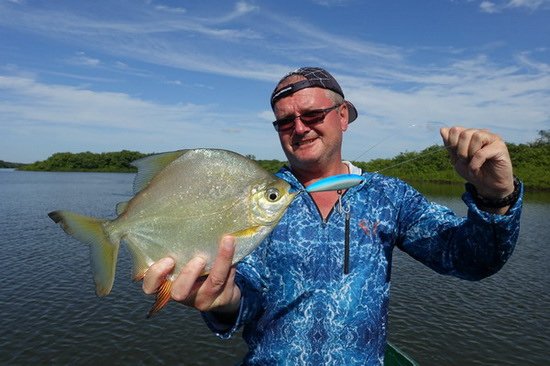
50,314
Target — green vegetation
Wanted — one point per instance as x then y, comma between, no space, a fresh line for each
88,162
531,163
8,165
271,165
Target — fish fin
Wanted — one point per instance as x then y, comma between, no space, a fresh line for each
140,261
103,252
246,232
138,276
121,207
163,297
150,166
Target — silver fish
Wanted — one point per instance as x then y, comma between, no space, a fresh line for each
184,202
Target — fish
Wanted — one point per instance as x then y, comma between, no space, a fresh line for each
184,202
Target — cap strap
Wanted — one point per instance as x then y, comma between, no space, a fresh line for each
291,89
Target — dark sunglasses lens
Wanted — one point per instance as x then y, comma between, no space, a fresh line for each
283,124
312,117
308,118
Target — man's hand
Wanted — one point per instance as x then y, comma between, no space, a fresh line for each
217,292
481,158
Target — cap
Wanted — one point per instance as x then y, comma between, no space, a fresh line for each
315,77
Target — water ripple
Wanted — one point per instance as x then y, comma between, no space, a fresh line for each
52,316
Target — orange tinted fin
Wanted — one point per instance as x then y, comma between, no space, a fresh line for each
141,262
163,296
139,276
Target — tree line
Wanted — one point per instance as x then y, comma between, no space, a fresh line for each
531,163
88,162
9,165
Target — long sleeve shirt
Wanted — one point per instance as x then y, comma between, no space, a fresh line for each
316,291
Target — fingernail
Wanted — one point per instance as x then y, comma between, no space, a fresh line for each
228,243
167,261
200,261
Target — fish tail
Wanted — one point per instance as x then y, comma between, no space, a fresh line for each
163,296
103,252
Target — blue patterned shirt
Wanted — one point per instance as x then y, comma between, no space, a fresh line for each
298,305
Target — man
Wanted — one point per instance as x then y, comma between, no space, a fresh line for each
316,291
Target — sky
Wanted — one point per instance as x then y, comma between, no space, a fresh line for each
160,75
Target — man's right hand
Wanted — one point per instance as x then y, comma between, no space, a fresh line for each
217,292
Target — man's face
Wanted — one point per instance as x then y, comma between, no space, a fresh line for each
306,146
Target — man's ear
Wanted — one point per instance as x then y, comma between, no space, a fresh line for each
343,113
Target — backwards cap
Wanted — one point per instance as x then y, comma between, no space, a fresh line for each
315,77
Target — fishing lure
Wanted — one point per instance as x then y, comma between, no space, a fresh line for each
336,183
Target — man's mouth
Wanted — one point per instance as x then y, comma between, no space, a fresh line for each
303,142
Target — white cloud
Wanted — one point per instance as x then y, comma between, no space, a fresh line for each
508,100
390,91
38,119
169,9
500,5
241,9
331,3
531,4
82,59
488,7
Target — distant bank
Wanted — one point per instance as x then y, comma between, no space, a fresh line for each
8,165
531,164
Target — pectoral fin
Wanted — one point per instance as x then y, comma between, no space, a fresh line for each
246,232
163,297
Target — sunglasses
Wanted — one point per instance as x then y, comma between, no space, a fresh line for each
308,118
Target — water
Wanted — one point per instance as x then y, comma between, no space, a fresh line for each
50,314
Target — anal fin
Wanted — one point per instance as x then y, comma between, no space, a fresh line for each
163,297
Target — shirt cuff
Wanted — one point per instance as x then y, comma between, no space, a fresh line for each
248,307
513,210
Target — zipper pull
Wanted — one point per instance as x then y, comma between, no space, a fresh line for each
346,241
347,214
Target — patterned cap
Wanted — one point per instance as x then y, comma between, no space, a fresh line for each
315,77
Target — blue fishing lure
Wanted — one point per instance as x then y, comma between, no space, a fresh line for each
335,183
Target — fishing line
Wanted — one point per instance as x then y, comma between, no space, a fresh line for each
423,155
429,127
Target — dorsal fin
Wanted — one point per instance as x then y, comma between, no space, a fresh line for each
150,166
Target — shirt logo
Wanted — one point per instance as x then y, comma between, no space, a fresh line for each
368,227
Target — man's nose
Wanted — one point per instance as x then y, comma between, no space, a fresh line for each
300,127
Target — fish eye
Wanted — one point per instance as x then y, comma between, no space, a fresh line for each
272,194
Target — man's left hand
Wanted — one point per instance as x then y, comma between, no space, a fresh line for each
482,158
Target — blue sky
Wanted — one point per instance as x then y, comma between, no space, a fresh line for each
158,75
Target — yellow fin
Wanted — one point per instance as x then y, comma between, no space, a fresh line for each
150,166
246,232
140,262
103,252
163,297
